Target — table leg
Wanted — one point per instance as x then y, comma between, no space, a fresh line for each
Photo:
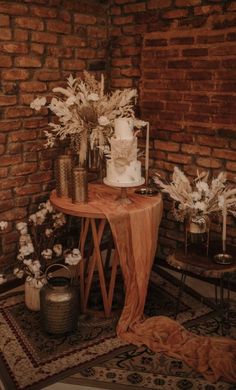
83,235
181,288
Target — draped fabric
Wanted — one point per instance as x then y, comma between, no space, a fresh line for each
135,230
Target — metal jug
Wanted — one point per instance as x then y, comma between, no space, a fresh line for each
59,303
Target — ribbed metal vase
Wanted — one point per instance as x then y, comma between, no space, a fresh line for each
63,173
59,304
79,185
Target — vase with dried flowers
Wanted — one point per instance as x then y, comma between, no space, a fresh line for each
85,113
196,202
39,246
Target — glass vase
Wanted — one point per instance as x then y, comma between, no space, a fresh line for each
197,234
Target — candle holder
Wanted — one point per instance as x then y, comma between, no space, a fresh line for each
223,258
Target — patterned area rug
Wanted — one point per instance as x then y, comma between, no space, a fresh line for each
31,359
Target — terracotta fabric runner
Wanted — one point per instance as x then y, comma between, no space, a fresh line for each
135,229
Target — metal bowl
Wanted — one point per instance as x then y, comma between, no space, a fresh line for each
223,258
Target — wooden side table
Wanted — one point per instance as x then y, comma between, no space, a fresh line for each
204,266
93,215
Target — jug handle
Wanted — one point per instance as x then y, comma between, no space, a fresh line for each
57,265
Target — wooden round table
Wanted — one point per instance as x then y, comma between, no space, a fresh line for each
93,214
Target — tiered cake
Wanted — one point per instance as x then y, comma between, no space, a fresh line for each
123,168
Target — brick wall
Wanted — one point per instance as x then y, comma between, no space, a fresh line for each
181,54
41,43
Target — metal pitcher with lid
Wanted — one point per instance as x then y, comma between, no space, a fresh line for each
59,303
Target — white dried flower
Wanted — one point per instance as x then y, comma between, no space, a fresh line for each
74,257
19,273
47,254
26,250
37,103
3,225
93,97
22,227
57,249
3,279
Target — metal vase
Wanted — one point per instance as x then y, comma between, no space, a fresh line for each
63,175
59,303
79,185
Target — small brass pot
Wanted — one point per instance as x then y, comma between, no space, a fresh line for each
59,303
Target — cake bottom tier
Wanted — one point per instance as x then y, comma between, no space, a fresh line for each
128,175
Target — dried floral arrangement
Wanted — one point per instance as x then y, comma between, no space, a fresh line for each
85,113
40,246
200,198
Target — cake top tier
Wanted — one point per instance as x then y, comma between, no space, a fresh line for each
124,128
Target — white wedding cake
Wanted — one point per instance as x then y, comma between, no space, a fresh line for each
123,168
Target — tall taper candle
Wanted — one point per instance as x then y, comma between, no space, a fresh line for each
147,148
102,85
224,212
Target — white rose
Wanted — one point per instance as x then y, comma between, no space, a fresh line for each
103,121
37,103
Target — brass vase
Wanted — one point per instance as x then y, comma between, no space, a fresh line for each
63,175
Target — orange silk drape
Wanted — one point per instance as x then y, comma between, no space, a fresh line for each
135,229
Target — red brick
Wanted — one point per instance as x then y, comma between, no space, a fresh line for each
10,160
28,189
155,4
179,158
65,52
41,177
86,53
166,146
37,48
51,62
119,20
115,10
58,26
187,3
209,162
85,19
18,112
13,8
22,201
45,75
14,148
21,35
124,1
130,72
224,154
133,8
5,34
44,37
44,12
6,205
73,41
45,165
7,100
120,62
28,62
24,169
3,172
97,32
196,149
22,135
13,215
15,74
175,14
33,86
20,48
122,83
208,10
73,64
4,20
130,51
29,23
5,195
9,125
231,166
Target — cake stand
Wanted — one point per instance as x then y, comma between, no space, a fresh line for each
123,198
